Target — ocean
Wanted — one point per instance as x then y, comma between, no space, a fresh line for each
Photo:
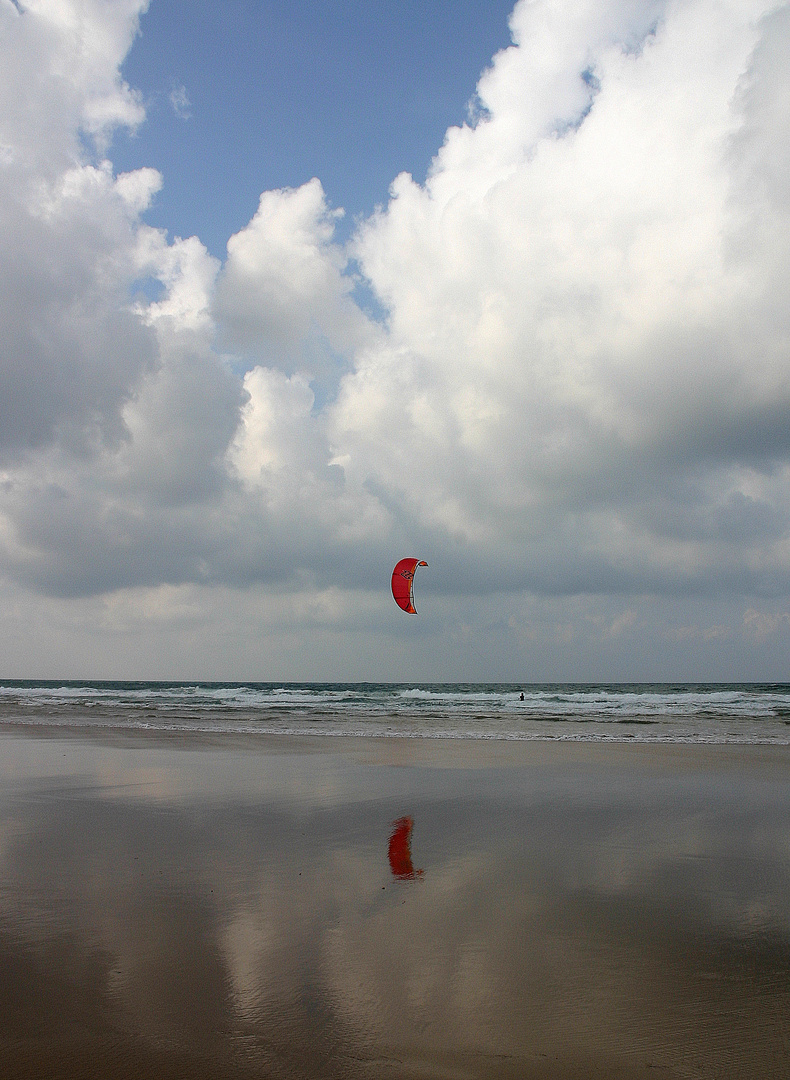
654,713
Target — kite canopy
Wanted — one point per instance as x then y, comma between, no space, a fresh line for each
403,584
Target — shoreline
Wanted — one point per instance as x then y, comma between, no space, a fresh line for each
498,749
219,737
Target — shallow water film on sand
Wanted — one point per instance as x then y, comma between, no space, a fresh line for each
717,713
192,906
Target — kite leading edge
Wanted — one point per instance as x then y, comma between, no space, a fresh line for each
403,584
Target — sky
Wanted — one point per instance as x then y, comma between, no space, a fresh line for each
290,292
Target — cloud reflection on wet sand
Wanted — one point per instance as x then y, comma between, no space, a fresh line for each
580,913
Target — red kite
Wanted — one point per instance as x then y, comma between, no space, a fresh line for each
403,584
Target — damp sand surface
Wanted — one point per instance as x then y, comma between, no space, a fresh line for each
261,906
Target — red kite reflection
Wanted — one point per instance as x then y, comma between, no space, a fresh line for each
400,850
403,584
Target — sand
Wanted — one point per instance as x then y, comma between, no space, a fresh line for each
233,907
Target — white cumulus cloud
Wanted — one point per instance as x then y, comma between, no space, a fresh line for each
579,389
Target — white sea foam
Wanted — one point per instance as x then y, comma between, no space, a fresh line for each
688,713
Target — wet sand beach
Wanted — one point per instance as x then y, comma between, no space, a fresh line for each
242,906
